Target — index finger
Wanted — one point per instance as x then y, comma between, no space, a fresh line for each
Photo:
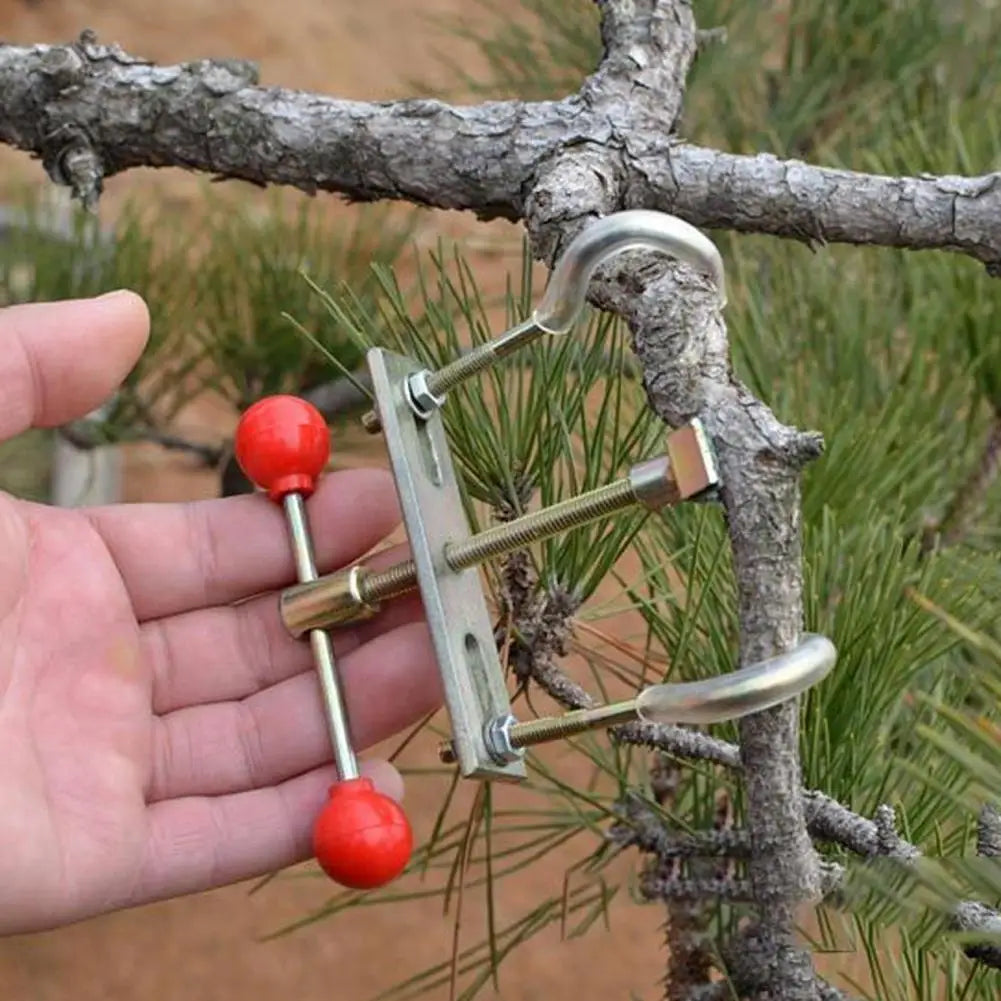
177,558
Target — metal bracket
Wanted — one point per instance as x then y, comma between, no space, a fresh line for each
454,603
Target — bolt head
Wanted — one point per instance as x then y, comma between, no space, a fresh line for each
497,737
423,402
370,422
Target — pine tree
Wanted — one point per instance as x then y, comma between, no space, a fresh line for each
862,817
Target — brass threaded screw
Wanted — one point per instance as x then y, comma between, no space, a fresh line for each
570,513
509,739
567,514
391,583
688,469
439,382
355,594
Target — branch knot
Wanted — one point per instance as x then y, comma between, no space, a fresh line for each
63,66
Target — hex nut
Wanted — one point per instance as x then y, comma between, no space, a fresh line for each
422,401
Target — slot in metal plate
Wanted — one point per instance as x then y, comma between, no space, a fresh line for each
454,603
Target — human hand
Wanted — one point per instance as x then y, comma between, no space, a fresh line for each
155,738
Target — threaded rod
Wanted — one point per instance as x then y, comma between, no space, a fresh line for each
440,382
539,731
570,513
391,583
465,367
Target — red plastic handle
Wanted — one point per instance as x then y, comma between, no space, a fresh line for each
282,445
362,838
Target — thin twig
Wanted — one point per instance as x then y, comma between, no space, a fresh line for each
86,435
956,522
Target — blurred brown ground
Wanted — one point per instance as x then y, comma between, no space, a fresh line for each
205,948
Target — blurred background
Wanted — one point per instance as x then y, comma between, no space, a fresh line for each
893,356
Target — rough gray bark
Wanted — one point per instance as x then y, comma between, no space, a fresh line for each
680,340
90,111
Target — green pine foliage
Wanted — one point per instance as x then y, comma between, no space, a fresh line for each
892,355
252,301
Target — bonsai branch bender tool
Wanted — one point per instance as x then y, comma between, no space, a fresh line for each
362,838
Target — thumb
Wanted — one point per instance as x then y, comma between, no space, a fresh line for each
60,360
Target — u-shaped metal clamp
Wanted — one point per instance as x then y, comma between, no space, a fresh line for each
566,294
729,696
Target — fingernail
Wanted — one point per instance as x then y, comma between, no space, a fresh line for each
117,292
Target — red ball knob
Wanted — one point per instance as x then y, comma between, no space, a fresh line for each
282,445
362,838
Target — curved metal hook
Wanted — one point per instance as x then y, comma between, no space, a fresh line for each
749,690
566,294
635,229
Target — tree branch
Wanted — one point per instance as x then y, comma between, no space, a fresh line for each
86,435
91,111
830,821
956,522
680,742
820,205
210,116
341,396
647,832
989,832
681,342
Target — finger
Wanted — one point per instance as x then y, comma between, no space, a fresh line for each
210,750
60,360
230,652
199,843
177,557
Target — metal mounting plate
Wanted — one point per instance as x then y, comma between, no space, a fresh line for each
454,603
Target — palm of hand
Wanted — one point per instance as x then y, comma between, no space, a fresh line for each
77,718
157,739
160,733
